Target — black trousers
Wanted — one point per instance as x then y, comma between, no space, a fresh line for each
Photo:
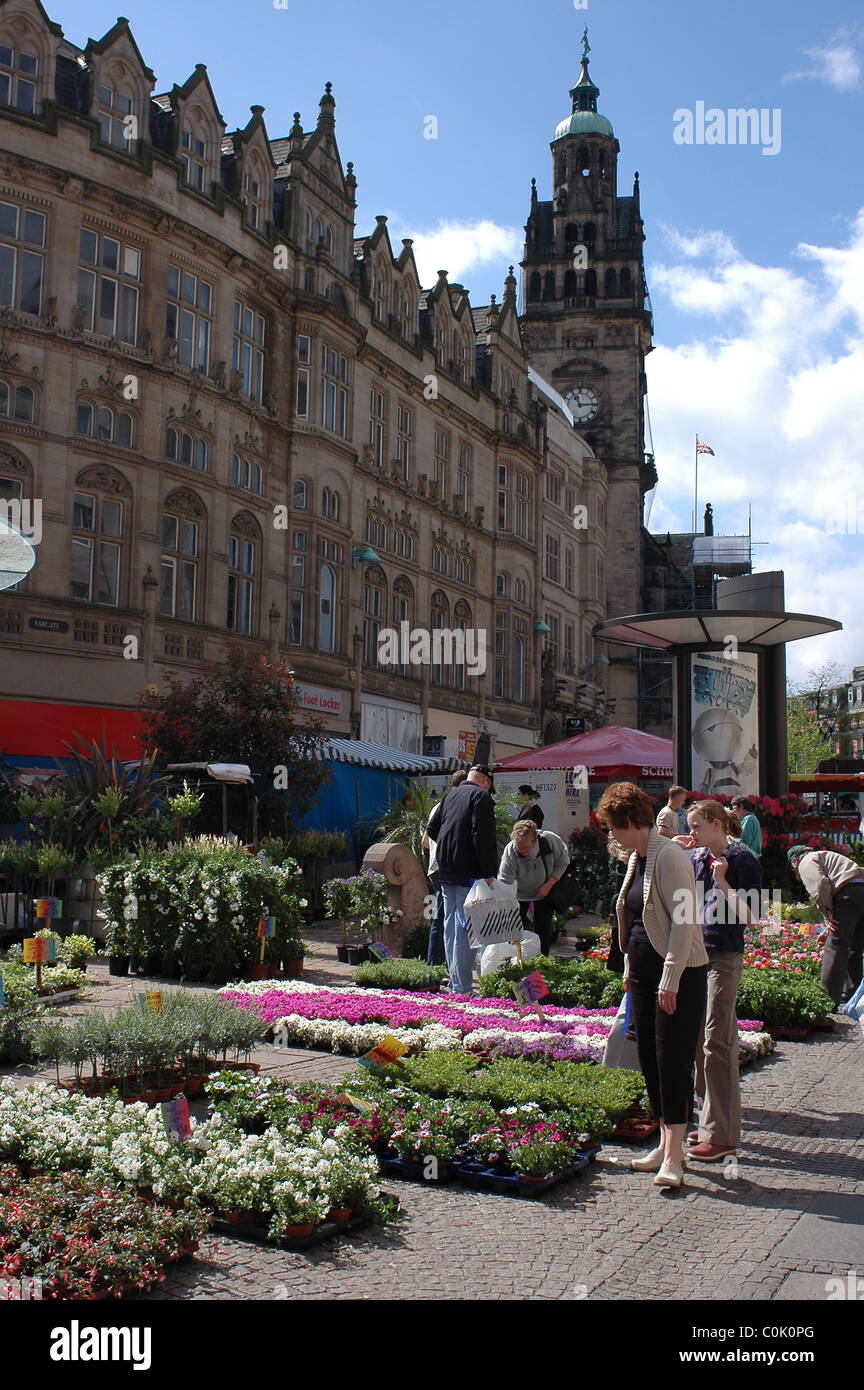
666,1042
542,924
842,957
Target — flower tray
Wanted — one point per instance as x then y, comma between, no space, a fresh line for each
826,1026
325,1230
486,1179
790,1034
390,1162
635,1127
65,996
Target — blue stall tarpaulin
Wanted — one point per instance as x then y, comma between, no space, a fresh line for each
366,779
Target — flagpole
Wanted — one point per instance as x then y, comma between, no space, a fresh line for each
695,483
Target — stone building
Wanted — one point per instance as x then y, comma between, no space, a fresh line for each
241,419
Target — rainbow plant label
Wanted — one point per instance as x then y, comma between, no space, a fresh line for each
387,1054
150,1002
363,1106
48,907
40,950
2,994
267,926
531,988
175,1117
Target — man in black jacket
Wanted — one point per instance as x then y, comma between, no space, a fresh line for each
463,827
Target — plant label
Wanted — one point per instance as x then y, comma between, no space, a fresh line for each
40,950
2,994
362,1106
379,950
175,1117
531,988
48,907
267,927
387,1054
151,1001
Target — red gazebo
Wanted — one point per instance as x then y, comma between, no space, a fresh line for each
608,754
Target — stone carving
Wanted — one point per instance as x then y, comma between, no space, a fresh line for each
168,355
80,314
186,501
105,480
218,375
49,318
406,891
235,382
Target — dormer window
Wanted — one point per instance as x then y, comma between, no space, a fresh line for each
253,197
193,157
112,109
18,73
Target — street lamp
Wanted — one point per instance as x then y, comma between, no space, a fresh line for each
364,553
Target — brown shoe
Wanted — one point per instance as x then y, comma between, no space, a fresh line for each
710,1153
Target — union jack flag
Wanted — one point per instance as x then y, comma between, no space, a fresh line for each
703,448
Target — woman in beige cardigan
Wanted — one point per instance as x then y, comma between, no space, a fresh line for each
666,969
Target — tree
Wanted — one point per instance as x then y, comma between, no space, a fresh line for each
806,744
809,704
241,710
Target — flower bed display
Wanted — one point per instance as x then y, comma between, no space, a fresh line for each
277,1180
201,902
147,1055
789,947
353,1021
88,1240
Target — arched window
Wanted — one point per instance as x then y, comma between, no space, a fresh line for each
518,665
100,525
461,623
590,236
325,501
584,162
25,403
535,285
83,417
5,396
500,654
610,284
549,285
571,284
244,549
441,674
194,148
125,429
104,423
519,590
253,194
299,495
374,612
182,541
626,282
326,609
590,284
571,235
113,105
19,69
182,447
501,585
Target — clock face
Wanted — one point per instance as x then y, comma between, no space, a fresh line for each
583,403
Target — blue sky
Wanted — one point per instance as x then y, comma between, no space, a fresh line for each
755,262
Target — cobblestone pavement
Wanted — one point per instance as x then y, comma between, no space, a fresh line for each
608,1234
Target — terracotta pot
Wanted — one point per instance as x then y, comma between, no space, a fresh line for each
258,972
297,1232
294,968
237,1218
339,1214
272,970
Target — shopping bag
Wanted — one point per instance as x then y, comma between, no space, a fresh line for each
492,913
494,957
854,1006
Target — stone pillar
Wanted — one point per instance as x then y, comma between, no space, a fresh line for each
407,889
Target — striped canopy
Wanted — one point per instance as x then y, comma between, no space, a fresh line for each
385,759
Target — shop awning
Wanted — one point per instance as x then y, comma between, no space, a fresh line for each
37,729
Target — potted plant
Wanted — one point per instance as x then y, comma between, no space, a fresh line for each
339,902
118,949
292,958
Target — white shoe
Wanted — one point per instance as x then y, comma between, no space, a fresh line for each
650,1162
671,1174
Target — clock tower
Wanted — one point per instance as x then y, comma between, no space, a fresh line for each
587,327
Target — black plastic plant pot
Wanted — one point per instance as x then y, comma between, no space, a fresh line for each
342,954
118,965
357,955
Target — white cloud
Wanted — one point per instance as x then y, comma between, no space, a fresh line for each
837,63
774,385
460,247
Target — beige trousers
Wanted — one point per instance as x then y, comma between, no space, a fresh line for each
718,1094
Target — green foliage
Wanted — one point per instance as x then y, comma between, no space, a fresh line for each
416,943
594,871
22,1014
241,709
782,998
570,982
404,825
399,974
806,746
78,950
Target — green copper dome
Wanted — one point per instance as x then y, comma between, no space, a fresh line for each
582,123
584,119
